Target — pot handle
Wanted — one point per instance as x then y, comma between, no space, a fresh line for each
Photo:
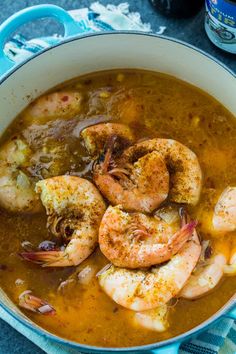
168,349
8,27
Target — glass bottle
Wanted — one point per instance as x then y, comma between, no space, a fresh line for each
178,8
220,23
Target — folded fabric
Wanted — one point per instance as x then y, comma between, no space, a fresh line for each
96,18
221,338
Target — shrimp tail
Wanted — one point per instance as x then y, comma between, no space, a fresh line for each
182,236
187,229
108,149
45,258
35,304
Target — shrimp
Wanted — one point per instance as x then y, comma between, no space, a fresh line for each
141,290
33,303
62,104
16,187
224,218
207,274
182,164
74,208
96,136
136,240
141,186
154,320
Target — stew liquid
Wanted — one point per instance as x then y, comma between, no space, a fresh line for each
153,105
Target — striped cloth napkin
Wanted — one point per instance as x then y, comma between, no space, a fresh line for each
221,338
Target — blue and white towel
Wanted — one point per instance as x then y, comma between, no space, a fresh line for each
96,18
221,338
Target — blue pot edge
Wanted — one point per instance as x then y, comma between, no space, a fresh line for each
175,341
181,338
87,35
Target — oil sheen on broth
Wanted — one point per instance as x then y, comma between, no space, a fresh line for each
153,105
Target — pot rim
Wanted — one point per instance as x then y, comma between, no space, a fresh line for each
231,303
108,33
222,312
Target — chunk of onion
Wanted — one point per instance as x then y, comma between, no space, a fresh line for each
86,274
169,214
46,309
22,180
104,269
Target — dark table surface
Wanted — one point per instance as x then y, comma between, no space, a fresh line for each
189,30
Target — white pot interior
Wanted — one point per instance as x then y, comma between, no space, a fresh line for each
110,51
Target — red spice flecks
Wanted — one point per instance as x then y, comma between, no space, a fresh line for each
65,98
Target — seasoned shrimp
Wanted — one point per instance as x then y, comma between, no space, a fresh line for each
224,218
62,104
74,208
182,164
141,186
16,188
155,319
207,274
141,290
134,240
96,136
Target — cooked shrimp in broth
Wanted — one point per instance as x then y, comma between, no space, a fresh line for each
182,164
141,186
117,208
134,240
224,218
208,272
74,208
96,136
63,104
16,185
141,290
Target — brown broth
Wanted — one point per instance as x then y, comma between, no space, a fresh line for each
153,105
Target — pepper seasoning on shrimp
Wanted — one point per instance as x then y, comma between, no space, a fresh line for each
96,136
141,185
182,165
140,180
141,290
134,240
75,208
